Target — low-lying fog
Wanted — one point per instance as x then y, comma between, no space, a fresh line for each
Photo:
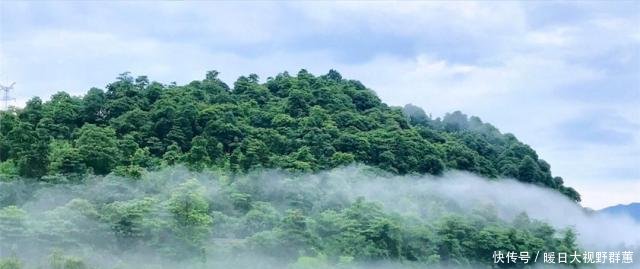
406,195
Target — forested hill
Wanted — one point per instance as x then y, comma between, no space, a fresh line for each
295,122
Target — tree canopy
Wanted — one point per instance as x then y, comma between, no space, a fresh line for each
299,123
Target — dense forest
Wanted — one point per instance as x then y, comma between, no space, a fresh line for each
116,155
298,123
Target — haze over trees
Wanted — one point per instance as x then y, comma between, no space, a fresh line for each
113,154
350,217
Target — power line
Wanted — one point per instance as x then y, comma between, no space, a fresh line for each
6,98
5,95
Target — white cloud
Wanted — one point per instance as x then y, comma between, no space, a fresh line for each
413,17
556,37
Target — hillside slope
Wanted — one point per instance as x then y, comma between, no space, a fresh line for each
632,210
297,123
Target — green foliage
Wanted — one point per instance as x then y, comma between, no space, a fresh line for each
191,221
8,168
296,123
301,221
471,145
363,231
65,159
12,226
300,123
57,260
10,263
29,148
129,220
97,148
305,262
261,217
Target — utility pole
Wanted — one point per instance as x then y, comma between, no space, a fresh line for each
5,94
6,98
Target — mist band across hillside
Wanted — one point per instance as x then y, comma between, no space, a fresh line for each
351,217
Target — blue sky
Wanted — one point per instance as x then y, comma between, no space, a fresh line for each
562,76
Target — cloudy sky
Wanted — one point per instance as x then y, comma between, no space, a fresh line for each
563,77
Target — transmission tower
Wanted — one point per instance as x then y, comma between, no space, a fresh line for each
5,94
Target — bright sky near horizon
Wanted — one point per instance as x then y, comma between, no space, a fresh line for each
564,77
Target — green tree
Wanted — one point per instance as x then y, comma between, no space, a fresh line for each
172,155
65,159
255,154
93,108
10,263
30,149
191,222
13,227
198,156
57,260
98,148
528,170
127,220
